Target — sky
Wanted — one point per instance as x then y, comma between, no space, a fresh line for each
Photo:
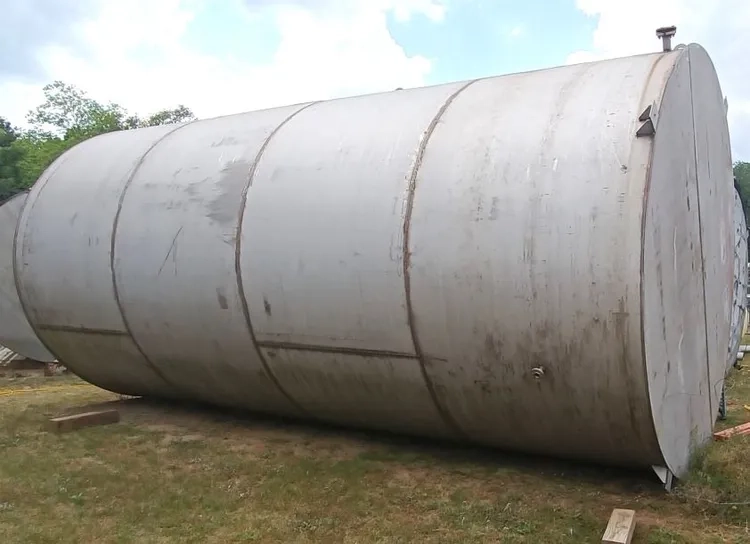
228,56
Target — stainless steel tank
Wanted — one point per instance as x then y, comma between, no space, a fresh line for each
739,298
15,332
539,262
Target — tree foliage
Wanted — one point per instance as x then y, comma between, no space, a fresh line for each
9,157
742,183
67,117
179,114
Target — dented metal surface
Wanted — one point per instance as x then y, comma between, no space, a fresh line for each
15,331
510,261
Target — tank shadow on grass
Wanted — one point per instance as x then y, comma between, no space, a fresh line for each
717,485
387,447
199,474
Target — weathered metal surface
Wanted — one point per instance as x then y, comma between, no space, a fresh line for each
716,207
501,261
672,291
338,245
63,262
739,298
525,242
15,331
180,297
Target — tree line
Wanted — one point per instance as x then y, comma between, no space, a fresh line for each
66,117
742,183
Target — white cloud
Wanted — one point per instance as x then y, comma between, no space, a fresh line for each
721,26
404,9
135,54
516,31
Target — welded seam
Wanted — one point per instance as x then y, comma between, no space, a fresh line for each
644,218
375,353
16,276
81,330
115,225
443,412
238,259
700,241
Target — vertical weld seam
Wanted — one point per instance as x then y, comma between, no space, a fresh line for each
644,218
445,415
115,225
238,259
16,275
709,383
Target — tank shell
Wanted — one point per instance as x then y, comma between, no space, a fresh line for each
739,306
517,261
15,331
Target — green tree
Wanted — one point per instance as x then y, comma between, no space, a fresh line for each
7,133
68,113
67,117
180,114
742,183
34,151
9,157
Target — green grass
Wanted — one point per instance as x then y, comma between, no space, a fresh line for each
719,482
176,474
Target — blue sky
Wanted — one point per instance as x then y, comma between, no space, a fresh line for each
486,38
475,39
226,56
224,29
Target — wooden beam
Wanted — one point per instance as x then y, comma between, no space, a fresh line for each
729,433
620,527
74,422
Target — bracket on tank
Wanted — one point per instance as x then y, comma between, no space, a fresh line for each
648,118
665,475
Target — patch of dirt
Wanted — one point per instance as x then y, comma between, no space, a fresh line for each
247,434
168,428
244,433
23,364
82,463
169,439
253,448
404,476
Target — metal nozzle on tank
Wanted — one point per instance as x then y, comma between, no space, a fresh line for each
666,33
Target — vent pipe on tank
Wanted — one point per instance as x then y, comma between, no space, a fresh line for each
666,33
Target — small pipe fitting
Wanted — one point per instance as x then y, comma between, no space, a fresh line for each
666,33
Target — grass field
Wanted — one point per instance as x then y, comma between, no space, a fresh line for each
179,474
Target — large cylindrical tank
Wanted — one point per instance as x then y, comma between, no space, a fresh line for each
539,262
739,306
15,331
